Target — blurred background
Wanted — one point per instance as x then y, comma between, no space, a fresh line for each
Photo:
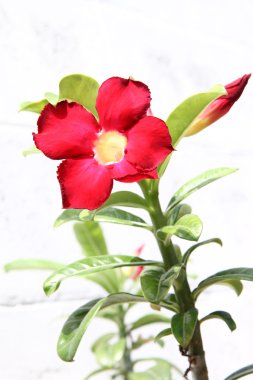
178,49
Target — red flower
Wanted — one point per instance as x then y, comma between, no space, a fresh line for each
137,271
220,106
125,145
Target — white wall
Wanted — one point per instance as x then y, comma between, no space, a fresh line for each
177,48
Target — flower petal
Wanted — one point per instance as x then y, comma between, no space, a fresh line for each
84,183
149,143
121,103
123,171
66,131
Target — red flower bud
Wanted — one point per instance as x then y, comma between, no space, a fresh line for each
139,269
220,106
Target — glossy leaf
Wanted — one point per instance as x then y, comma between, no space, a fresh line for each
235,274
28,264
36,107
31,150
77,323
91,238
195,246
116,216
235,285
183,326
81,89
67,216
155,282
163,333
241,373
149,319
184,115
197,183
177,212
188,227
224,316
125,199
91,265
108,353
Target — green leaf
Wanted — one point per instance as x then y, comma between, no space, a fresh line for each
235,285
36,107
108,353
195,246
27,264
91,265
67,216
91,238
224,316
177,212
241,373
162,370
114,215
183,326
155,282
81,89
77,323
184,115
97,372
31,150
163,333
125,199
148,319
188,227
52,98
235,274
197,183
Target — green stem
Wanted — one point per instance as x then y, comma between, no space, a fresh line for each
195,352
126,362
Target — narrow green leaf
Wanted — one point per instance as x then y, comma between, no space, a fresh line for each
183,326
177,213
91,238
235,285
81,89
77,323
184,115
52,98
163,333
31,150
197,183
92,265
36,107
162,370
195,246
188,227
241,373
27,264
149,319
235,274
224,316
125,199
114,215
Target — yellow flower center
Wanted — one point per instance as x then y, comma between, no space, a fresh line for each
109,147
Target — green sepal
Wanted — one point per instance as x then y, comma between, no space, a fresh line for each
36,107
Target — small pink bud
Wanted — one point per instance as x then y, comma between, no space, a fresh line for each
220,106
138,270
